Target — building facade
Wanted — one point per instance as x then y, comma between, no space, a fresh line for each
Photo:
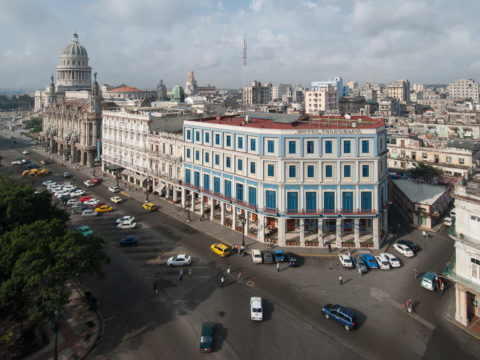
337,84
463,89
399,90
322,99
191,86
298,182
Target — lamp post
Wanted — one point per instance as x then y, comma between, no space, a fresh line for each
243,221
188,208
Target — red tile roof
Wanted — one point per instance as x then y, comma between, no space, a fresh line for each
124,88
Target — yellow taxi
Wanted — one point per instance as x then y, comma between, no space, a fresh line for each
33,172
149,206
42,172
26,172
221,249
103,208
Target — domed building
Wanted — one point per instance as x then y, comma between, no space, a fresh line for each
178,94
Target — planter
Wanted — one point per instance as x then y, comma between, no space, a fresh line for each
366,244
311,243
348,244
293,243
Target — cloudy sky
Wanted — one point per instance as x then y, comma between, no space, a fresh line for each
140,42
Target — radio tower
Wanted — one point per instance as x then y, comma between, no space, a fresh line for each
243,75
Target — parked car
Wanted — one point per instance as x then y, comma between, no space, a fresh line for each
256,308
17,162
345,260
206,337
341,314
89,213
78,209
26,172
47,182
220,249
114,189
410,244
453,213
32,166
97,180
116,199
91,202
394,261
292,259
179,260
103,208
85,198
279,255
149,206
256,256
383,262
89,183
359,263
130,241
267,257
370,261
126,225
73,202
66,175
429,280
125,218
404,250
85,230
447,221
25,152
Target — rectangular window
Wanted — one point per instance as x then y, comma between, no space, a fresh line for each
206,181
217,159
196,178
292,147
188,153
365,146
365,170
328,147
217,139
252,196
328,171
239,192
347,201
187,176
207,137
270,170
292,171
229,140
270,146
366,200
347,147
252,168
347,171
207,157
240,165
310,147
240,143
311,201
292,201
310,171
253,145
270,199
197,155
329,201
189,134
216,185
197,136
228,162
228,188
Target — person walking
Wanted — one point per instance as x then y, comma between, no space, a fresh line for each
180,275
359,271
155,289
278,267
239,277
222,281
340,279
416,273
228,269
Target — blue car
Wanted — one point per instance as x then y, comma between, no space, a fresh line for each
129,241
359,264
279,255
341,314
32,166
370,261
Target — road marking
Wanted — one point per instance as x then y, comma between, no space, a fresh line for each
124,193
461,327
319,255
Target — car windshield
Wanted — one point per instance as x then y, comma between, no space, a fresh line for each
205,339
256,310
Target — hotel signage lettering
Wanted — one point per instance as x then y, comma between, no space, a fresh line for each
328,131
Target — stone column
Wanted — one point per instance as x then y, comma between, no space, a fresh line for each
247,223
356,229
461,306
281,231
234,217
376,235
51,145
222,212
167,190
90,158
302,232
321,241
184,197
73,155
260,228
338,240
175,193
193,202
212,208
202,204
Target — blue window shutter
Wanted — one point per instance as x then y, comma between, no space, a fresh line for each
252,144
292,201
216,185
328,171
328,147
270,199
217,139
310,171
239,192
206,181
228,188
329,200
366,198
311,200
347,200
252,196
187,176
196,179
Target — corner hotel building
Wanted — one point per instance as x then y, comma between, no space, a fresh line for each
291,180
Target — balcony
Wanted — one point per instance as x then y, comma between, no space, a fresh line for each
272,211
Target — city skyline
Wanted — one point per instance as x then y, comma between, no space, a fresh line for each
140,43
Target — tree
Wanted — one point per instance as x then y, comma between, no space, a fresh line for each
425,171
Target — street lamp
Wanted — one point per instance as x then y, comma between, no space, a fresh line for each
188,207
243,221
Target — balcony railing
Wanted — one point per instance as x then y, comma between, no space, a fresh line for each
268,210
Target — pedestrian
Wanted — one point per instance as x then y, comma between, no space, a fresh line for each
239,277
329,248
155,289
340,279
222,280
359,271
416,273
278,266
228,269
180,275
190,272
349,253
442,286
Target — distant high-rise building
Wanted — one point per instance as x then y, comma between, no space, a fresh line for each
399,90
322,99
463,89
279,91
191,85
352,85
257,93
337,84
418,87
161,91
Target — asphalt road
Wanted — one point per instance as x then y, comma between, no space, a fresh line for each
139,325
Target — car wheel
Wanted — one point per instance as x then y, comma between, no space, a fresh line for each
327,316
347,327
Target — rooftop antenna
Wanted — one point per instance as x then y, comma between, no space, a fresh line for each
243,75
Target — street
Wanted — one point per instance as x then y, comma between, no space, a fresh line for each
139,324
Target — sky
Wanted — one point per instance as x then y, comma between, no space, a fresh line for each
140,42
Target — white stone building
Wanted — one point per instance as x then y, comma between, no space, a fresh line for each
463,89
323,99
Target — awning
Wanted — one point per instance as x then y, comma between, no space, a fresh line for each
160,187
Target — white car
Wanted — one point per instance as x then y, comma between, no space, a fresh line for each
404,250
73,202
126,225
394,262
125,218
114,189
383,262
77,193
48,182
92,202
256,308
17,162
257,256
89,183
345,260
89,213
25,152
179,260
116,199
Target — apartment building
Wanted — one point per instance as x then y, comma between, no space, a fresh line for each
399,90
324,98
463,89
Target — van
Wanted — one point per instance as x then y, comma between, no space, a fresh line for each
428,281
256,256
447,221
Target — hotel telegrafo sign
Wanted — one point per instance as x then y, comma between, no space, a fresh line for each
328,131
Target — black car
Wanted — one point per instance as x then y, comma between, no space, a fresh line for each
267,257
410,244
206,338
292,259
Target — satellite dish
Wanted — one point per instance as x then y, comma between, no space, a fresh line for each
347,116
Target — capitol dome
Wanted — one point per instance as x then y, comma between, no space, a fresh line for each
178,94
73,73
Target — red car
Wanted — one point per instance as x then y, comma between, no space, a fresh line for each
100,204
84,198
97,180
